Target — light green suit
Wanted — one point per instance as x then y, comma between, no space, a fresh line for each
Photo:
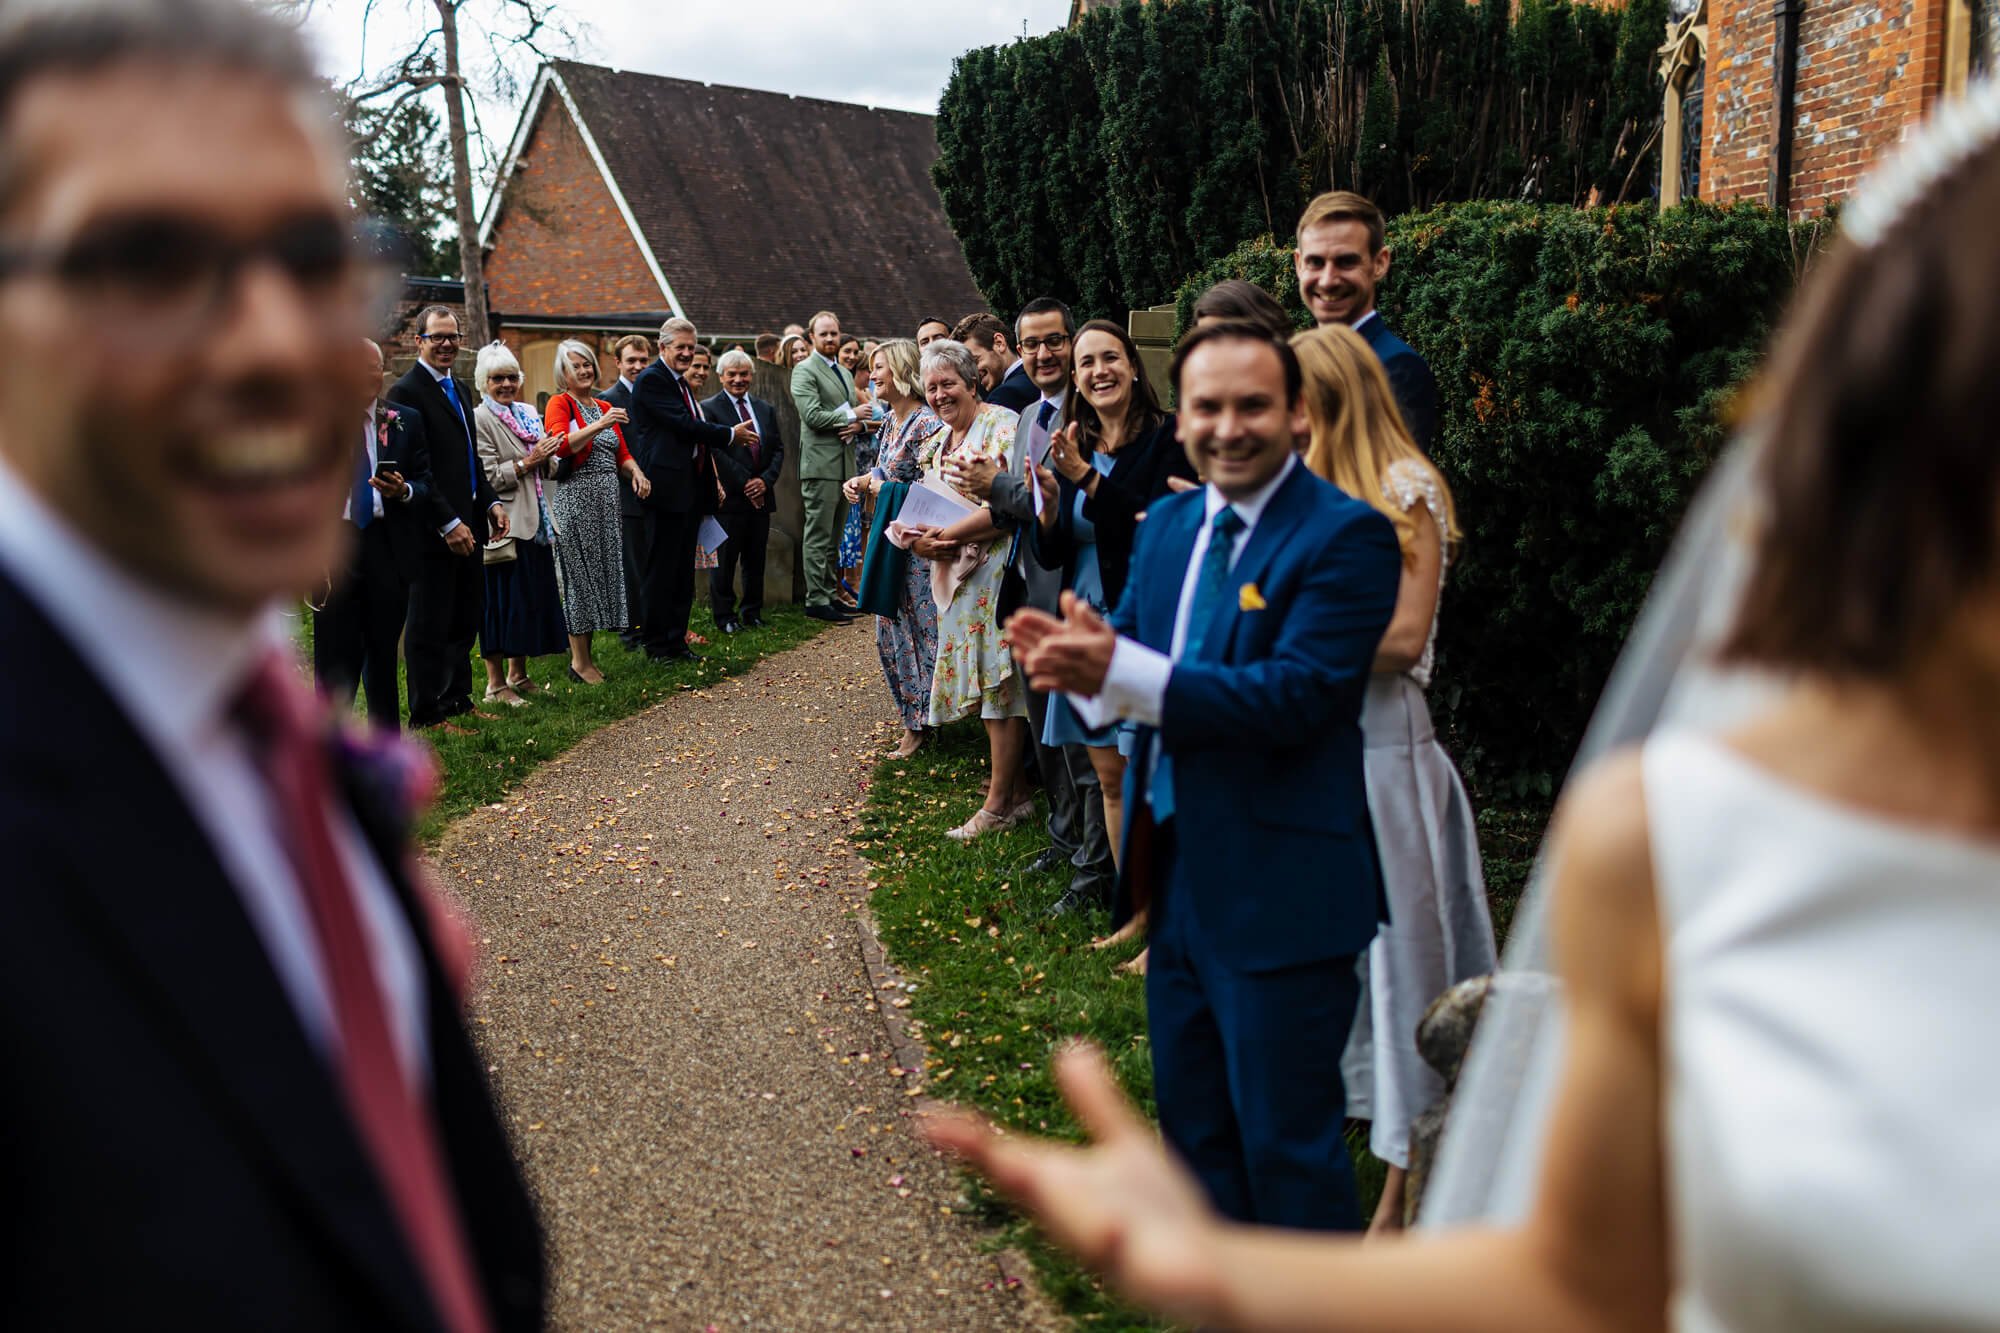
824,396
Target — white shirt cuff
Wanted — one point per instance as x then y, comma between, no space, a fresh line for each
1135,687
848,408
445,531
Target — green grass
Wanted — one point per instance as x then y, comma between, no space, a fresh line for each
1000,985
480,768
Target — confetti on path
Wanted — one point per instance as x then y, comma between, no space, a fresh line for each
683,1038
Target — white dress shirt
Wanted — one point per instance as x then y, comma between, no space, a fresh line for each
1372,314
1135,687
175,670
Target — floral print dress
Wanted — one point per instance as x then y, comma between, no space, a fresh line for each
908,641
975,670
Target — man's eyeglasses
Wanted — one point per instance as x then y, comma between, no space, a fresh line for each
163,272
1055,342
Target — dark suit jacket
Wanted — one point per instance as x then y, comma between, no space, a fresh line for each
732,460
1016,391
1137,479
671,446
1409,377
173,1150
459,488
1264,726
628,503
410,527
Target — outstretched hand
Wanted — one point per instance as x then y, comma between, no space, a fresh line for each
1120,1203
1072,654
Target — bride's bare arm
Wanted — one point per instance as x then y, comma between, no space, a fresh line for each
1591,1258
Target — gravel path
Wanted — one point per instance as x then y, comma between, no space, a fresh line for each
682,1033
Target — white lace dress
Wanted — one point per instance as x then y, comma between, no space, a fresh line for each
1439,932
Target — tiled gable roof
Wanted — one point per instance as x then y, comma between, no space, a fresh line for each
762,208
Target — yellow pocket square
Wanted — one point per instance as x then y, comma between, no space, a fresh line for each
1249,599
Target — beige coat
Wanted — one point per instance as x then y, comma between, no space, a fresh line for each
499,450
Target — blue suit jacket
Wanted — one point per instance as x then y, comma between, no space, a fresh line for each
1410,378
1264,725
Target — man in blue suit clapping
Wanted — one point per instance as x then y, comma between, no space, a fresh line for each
1242,647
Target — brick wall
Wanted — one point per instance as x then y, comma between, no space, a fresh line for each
1867,71
560,246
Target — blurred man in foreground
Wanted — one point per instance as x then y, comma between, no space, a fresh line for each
242,1098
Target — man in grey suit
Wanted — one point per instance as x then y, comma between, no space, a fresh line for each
1077,833
831,415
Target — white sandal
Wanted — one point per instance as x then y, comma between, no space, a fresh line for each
505,694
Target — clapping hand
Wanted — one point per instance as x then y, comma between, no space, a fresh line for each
1072,654
973,476
1120,1203
1045,480
545,449
1066,456
616,416
1178,484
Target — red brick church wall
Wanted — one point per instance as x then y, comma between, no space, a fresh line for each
1867,70
561,247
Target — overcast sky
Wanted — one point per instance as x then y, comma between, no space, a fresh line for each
890,53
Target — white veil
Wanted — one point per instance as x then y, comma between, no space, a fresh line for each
1489,1161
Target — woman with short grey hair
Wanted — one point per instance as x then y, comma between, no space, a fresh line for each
523,615
591,554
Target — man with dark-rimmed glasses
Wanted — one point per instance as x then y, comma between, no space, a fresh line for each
450,590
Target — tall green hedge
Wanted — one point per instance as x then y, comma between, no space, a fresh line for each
1584,360
1101,163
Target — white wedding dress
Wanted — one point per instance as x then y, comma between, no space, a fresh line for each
1829,1052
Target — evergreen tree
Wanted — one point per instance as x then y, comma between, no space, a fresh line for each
402,176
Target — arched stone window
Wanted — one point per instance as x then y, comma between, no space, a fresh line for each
1684,65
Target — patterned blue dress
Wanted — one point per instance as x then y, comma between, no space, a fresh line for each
908,642
854,537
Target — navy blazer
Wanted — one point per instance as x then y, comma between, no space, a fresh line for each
168,1107
459,488
1016,391
1410,379
628,503
671,447
732,460
1264,726
411,531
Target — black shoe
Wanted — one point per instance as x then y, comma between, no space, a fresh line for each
1047,863
832,615
728,627
753,622
1071,903
683,653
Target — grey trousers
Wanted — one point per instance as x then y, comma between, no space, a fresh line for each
1076,809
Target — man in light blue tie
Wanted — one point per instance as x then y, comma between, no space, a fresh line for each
1242,647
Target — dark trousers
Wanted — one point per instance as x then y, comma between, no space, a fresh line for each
669,582
636,534
1077,831
749,533
354,638
445,606
1246,1071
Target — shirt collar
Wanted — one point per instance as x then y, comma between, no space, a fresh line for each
1372,313
436,374
628,385
1011,369
1250,508
1057,398
829,360
174,667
